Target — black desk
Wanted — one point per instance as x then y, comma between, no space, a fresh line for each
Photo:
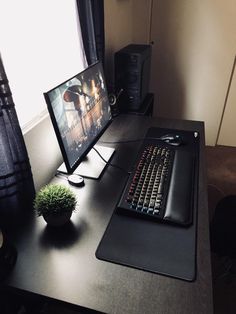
63,267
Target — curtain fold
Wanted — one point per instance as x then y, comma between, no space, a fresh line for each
91,15
16,182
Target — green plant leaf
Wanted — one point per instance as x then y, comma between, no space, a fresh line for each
54,198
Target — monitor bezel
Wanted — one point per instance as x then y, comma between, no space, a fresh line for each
70,169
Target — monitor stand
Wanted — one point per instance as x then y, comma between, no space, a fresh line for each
92,165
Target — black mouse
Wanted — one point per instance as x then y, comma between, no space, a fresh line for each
172,139
168,137
177,141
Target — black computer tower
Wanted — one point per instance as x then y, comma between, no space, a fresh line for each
132,75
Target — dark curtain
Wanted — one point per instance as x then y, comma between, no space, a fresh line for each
91,15
16,182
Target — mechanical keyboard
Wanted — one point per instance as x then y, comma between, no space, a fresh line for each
161,185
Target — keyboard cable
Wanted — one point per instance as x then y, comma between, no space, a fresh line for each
110,164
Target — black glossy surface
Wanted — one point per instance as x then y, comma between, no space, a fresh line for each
61,264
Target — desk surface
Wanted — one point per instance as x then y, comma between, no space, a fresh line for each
62,265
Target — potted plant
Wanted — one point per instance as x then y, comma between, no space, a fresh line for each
55,203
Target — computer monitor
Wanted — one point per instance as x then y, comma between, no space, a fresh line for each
80,112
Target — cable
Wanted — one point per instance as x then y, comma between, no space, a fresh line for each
120,142
163,138
110,164
61,175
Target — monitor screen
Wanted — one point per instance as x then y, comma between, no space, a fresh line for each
80,112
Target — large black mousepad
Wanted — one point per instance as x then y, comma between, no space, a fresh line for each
150,245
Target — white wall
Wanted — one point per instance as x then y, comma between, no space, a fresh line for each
141,21
118,17
194,51
126,22
228,125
